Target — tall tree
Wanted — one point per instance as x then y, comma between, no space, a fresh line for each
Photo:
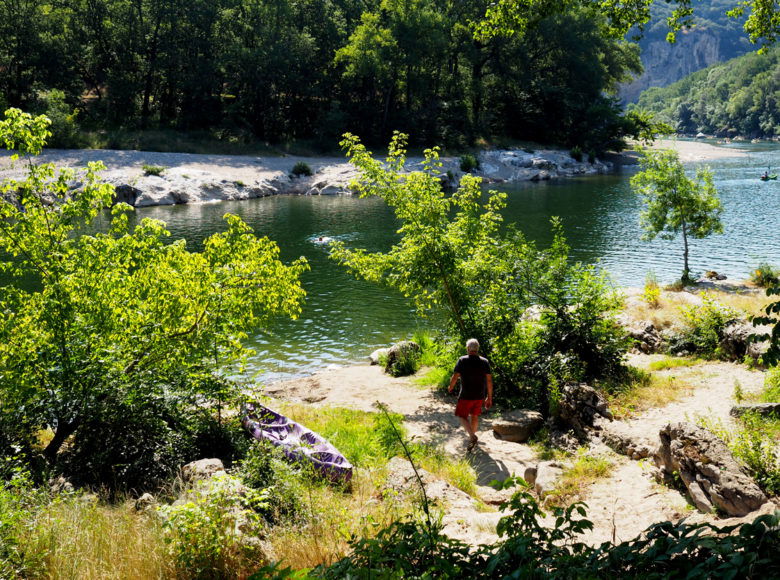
675,203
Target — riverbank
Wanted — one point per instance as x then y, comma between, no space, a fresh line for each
183,178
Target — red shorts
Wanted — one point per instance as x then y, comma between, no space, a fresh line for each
466,407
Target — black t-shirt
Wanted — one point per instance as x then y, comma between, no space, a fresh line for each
473,371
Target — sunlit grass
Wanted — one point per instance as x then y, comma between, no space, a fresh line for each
80,538
584,472
657,392
673,362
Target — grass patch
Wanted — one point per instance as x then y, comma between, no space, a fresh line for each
672,363
586,470
153,170
648,394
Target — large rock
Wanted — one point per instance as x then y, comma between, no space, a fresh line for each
377,355
621,440
580,408
710,473
517,426
202,469
738,340
544,477
400,350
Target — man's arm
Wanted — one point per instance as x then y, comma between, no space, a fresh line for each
489,400
454,381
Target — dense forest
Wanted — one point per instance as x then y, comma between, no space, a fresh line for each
738,97
280,70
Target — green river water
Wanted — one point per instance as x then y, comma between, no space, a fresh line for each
345,319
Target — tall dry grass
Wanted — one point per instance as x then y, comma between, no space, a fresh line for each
79,538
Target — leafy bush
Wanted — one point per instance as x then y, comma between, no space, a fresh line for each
301,169
652,292
771,392
214,534
765,275
157,170
703,328
576,153
468,163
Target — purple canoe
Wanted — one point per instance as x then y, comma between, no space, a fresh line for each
296,441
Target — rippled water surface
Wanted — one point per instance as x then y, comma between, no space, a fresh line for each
344,319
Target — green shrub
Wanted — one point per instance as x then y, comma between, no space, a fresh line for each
703,328
301,169
591,156
771,392
213,534
157,170
652,292
405,362
576,153
468,163
765,275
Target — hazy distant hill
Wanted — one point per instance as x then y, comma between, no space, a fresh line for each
714,38
738,97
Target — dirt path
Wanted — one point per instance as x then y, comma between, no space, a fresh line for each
620,507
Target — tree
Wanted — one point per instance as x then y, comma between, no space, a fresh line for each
674,202
453,258
121,315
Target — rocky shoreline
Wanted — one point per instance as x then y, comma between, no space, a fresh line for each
189,178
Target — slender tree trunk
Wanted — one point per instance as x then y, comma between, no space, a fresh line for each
64,430
686,270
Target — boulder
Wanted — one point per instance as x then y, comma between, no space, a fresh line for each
763,409
202,469
544,476
401,349
517,426
711,475
738,340
579,407
376,355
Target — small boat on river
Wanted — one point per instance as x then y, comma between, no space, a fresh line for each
768,177
296,441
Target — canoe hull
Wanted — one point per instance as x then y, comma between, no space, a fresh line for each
296,441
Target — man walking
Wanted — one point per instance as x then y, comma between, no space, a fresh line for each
476,389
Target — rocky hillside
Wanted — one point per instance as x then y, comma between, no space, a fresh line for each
713,38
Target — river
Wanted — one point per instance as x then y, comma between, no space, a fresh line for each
344,319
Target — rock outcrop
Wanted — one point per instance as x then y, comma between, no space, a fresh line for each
763,409
544,477
202,469
518,425
711,475
580,409
739,340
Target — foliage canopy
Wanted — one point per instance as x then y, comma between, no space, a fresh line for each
676,203
121,315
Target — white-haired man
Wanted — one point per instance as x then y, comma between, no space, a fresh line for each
476,389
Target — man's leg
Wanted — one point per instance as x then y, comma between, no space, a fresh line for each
467,426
